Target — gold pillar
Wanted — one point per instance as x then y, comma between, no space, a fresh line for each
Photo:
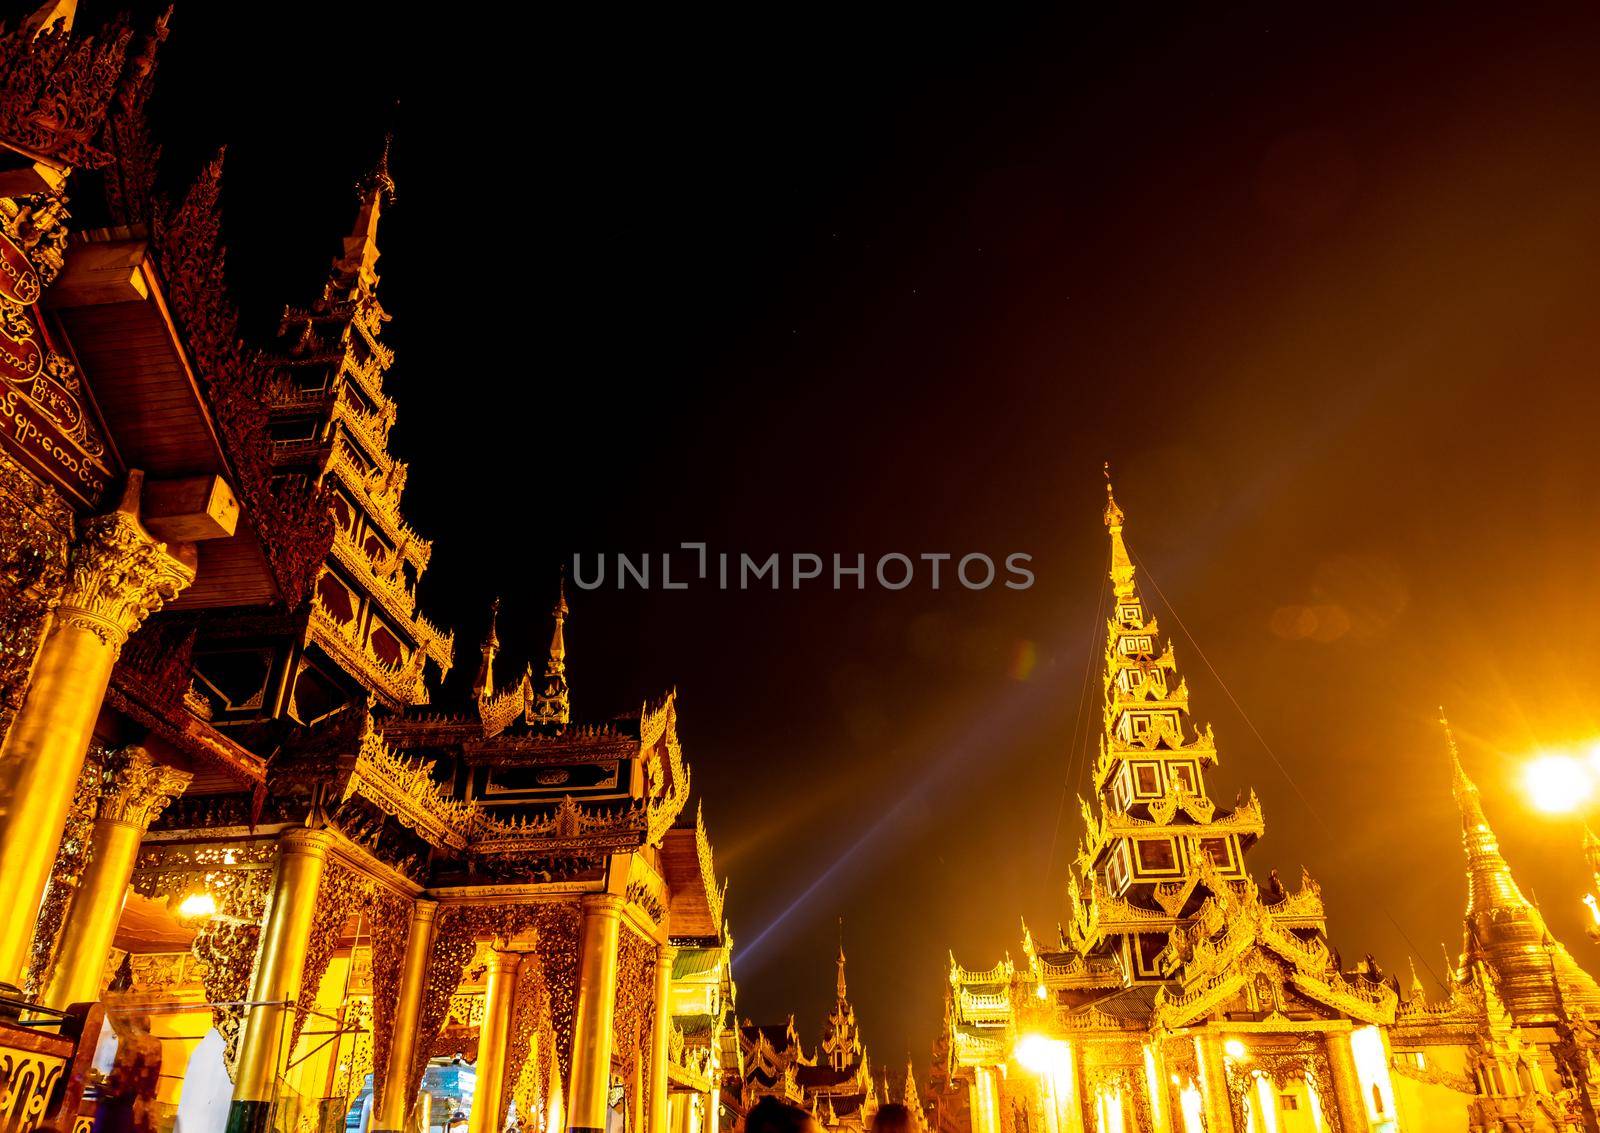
986,1117
1155,1068
597,1000
117,575
1068,1094
1346,1084
494,1036
398,1090
302,857
135,790
660,1037
1214,1083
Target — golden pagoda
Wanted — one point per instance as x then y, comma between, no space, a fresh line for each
835,1084
1184,996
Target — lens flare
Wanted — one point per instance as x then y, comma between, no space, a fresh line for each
198,905
1557,784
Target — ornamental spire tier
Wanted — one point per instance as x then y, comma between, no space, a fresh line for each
1534,974
1156,844
329,422
551,706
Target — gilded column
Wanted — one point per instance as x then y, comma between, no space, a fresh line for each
135,790
117,574
1214,1082
302,857
389,1114
1069,1095
494,1036
660,1036
986,1118
1155,1070
597,999
1346,1084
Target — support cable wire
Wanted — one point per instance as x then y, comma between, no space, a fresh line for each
1272,755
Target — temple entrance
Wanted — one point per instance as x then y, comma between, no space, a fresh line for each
1283,1105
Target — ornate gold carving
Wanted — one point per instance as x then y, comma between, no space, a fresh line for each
716,897
635,1003
1433,1075
238,876
640,894
29,1080
569,824
341,894
391,920
292,521
459,927
117,575
406,789
35,527
71,859
666,775
135,788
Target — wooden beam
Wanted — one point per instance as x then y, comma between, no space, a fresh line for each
189,510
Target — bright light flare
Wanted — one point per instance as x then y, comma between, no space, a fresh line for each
197,906
1236,1050
1557,784
1040,1055
1594,908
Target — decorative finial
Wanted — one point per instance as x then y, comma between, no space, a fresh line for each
483,686
1121,564
1113,513
1419,994
842,995
1459,783
552,706
378,180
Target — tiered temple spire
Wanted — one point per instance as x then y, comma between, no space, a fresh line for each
329,423
1151,821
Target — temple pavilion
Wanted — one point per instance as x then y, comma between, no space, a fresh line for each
257,877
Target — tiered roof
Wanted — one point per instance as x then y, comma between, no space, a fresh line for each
329,421
1165,925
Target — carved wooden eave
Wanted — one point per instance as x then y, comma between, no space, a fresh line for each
113,306
397,687
186,732
666,774
697,901
379,495
405,789
59,91
570,827
579,743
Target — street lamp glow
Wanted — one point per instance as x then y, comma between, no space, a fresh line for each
1557,784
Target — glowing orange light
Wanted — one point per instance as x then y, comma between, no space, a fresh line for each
198,905
1557,784
1040,1055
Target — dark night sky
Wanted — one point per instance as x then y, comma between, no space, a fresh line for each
1323,291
